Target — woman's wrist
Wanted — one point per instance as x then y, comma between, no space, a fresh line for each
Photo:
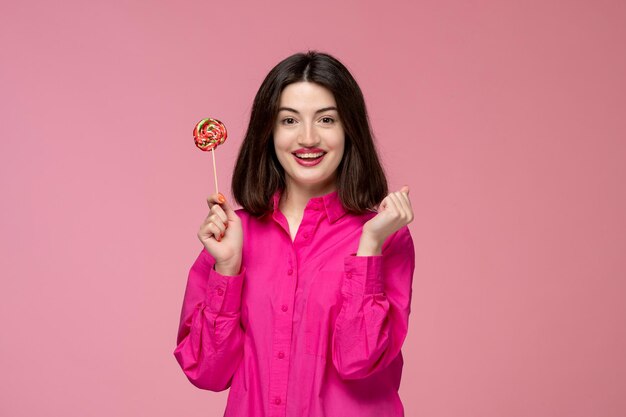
229,268
369,246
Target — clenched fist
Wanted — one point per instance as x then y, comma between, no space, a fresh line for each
222,235
394,212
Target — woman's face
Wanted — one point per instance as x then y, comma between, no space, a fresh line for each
308,125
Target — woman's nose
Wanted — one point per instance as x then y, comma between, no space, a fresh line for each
308,137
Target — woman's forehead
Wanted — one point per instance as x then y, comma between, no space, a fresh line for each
306,96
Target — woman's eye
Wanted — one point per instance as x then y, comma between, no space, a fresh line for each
327,120
289,121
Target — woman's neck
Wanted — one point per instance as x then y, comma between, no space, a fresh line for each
295,198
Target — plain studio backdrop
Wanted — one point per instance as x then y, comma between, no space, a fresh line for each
506,118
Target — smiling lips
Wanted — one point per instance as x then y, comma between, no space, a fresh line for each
309,157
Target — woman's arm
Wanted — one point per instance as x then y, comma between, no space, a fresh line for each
373,322
210,338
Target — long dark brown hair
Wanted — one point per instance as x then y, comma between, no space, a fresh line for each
361,182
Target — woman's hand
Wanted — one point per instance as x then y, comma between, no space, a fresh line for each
394,212
222,235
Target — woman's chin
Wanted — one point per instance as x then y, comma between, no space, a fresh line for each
315,181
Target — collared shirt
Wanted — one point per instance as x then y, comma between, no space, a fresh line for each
307,328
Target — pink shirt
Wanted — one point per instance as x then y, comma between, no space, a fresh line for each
307,328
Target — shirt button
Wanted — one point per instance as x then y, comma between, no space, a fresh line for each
220,291
305,235
290,271
281,355
349,274
284,307
277,400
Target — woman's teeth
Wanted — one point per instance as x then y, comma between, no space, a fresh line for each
309,155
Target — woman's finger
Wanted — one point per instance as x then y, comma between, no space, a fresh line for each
212,219
228,210
216,198
403,199
219,200
406,203
215,219
219,212
391,204
217,233
394,197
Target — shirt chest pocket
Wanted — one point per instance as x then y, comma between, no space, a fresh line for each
322,306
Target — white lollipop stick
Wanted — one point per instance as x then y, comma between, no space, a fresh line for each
214,170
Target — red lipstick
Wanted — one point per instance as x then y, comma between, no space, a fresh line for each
308,150
308,162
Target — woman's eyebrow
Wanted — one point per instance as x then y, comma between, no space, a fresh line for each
318,111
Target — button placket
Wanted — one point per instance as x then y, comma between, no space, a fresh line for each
283,327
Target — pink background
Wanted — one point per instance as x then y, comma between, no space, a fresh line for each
507,119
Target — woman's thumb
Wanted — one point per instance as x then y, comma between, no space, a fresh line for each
404,189
230,213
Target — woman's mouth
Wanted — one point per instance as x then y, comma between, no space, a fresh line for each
309,159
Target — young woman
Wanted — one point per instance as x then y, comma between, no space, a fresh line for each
299,301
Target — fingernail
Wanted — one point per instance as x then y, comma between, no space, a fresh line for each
221,198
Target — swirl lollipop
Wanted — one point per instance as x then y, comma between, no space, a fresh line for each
208,134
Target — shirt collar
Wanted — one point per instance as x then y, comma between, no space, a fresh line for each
330,203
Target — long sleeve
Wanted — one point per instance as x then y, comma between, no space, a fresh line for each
210,338
373,321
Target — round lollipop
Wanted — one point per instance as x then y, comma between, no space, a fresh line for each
208,134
